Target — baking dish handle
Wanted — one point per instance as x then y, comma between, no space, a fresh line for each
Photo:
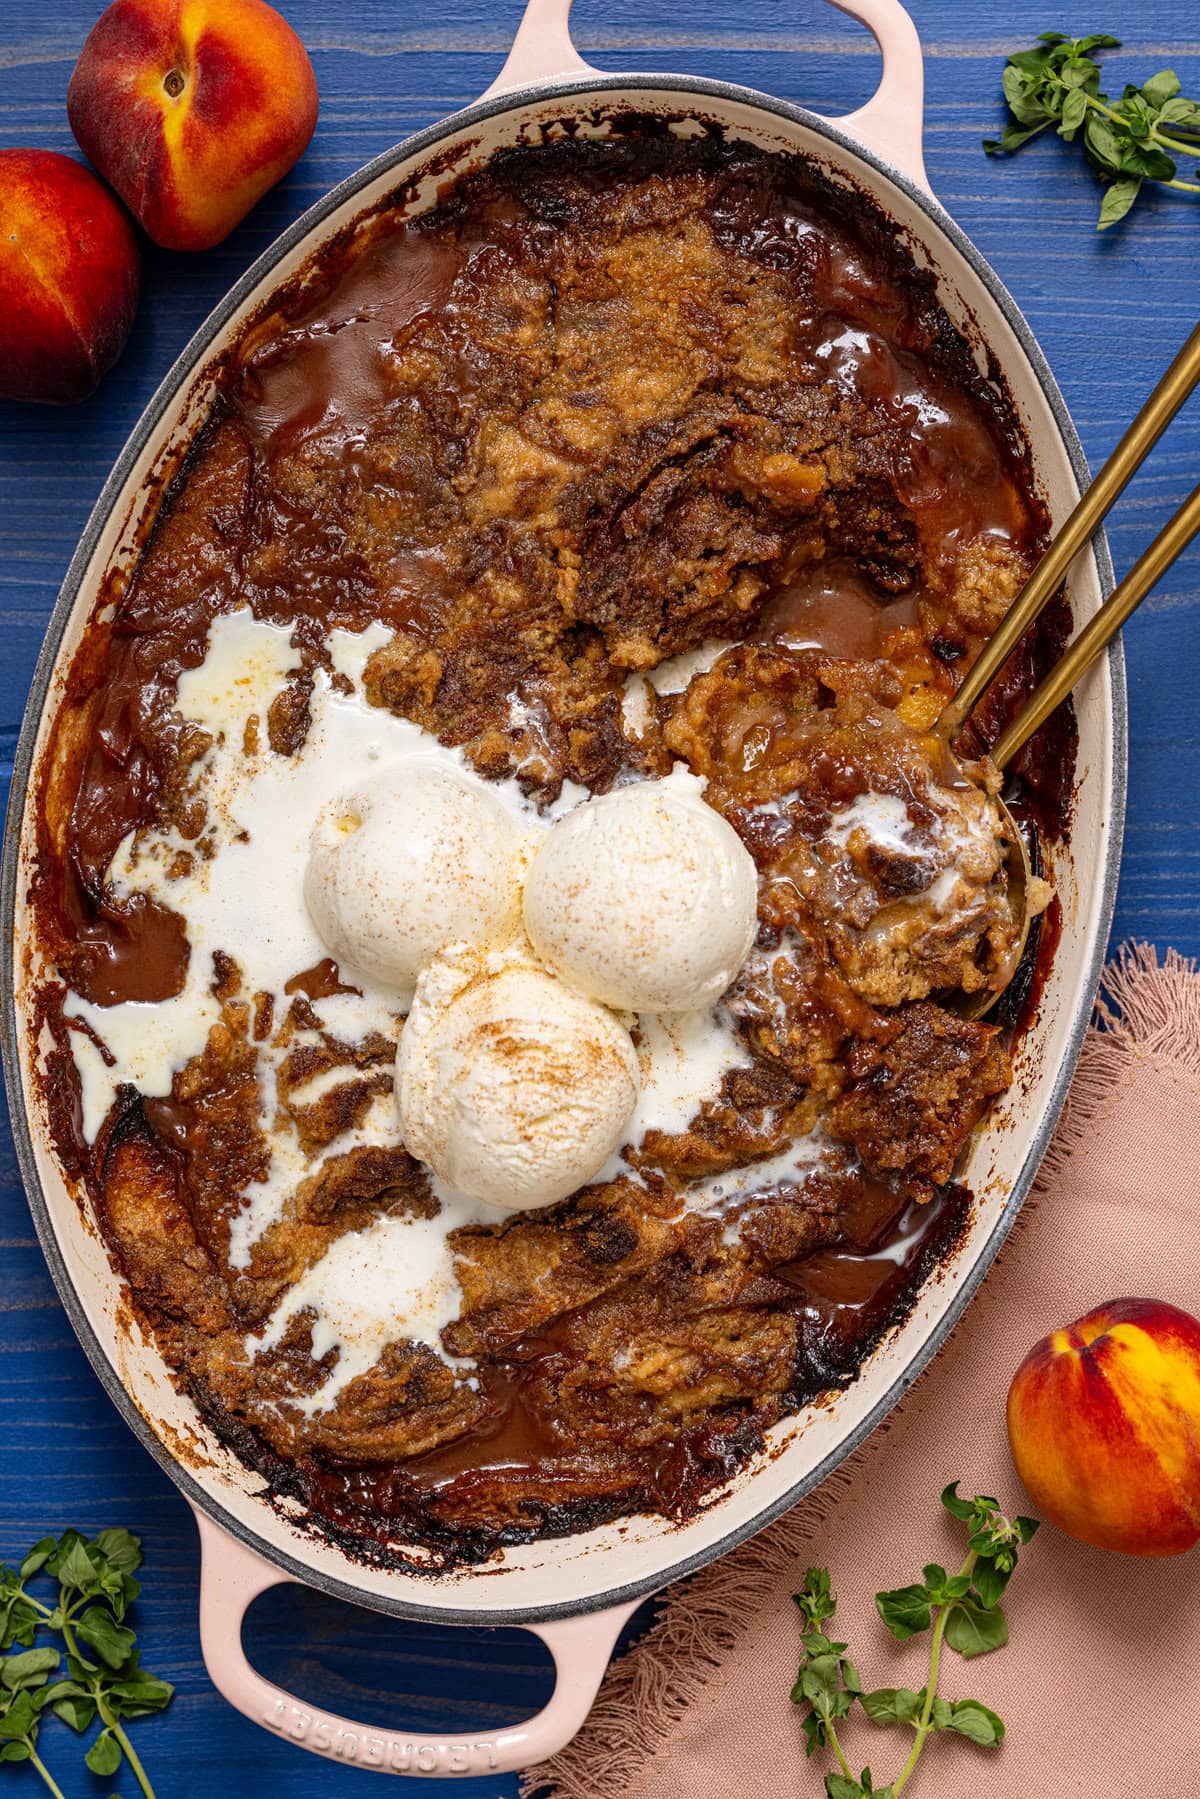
542,49
232,1577
890,124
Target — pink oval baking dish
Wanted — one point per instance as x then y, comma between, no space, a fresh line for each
574,1593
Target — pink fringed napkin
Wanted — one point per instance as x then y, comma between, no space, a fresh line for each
1098,1684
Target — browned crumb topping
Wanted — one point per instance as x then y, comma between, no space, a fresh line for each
605,404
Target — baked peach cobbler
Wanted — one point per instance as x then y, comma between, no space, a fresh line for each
506,907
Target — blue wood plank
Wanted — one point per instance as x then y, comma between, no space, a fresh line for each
1109,311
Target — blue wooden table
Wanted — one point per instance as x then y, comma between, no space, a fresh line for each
1109,312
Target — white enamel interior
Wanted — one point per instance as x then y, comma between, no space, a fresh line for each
577,1573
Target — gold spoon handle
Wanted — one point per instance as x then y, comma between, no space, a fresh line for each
1150,567
1046,579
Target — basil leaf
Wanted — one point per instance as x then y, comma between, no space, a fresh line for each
1160,88
837,1786
37,1558
18,1619
971,1718
76,1711
1155,163
814,1732
75,1566
104,1756
892,1705
30,1669
1012,137
20,1717
121,1549
905,1611
1023,99
1074,112
972,1631
1117,201
1031,62
989,1583
1081,72
138,1697
111,1641
961,1508
820,1681
1101,141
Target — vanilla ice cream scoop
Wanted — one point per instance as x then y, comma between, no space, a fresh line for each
645,898
415,857
514,1089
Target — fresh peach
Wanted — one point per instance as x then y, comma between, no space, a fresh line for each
1104,1423
192,109
69,277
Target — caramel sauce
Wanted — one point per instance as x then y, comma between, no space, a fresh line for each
829,606
170,1121
846,1294
516,1436
950,472
130,949
843,1297
329,377
321,981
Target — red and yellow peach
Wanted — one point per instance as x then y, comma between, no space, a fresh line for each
69,277
192,109
1104,1424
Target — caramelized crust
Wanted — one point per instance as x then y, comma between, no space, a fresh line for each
912,1102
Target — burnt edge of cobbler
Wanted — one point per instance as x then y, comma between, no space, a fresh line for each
475,1551
184,377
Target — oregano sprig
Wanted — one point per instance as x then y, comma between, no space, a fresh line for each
826,1684
103,1678
1140,137
23,1681
963,1613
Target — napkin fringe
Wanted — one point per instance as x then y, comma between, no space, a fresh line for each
647,1693
1146,1007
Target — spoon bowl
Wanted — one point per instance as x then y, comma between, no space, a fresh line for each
1019,876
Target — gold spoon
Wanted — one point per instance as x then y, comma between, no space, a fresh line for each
1145,431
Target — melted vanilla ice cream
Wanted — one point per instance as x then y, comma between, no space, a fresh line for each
407,861
514,1089
644,898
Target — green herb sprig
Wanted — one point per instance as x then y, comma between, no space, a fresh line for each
962,1611
1129,141
103,1677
